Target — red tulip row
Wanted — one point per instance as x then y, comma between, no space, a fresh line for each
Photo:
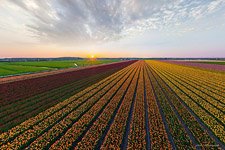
8,109
80,127
30,128
14,91
19,112
15,111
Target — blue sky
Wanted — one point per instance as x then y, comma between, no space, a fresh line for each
112,28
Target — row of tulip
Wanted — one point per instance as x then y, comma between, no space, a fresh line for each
27,110
203,77
16,112
202,72
15,91
201,99
202,65
205,90
158,135
114,137
96,131
25,103
218,96
96,101
50,114
203,112
180,137
193,77
202,137
217,104
136,138
212,117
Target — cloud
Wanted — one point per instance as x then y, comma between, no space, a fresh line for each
89,21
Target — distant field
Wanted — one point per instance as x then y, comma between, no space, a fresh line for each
213,62
14,68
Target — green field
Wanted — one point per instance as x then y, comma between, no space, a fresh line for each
213,62
15,68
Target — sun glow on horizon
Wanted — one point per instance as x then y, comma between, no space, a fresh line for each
91,56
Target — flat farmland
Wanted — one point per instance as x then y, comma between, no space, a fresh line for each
124,105
17,68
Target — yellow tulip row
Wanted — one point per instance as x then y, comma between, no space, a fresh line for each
181,74
199,132
212,80
217,103
214,75
180,138
191,79
32,127
202,99
196,103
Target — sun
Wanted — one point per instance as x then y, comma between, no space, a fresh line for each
92,57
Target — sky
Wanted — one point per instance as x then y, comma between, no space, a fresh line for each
112,28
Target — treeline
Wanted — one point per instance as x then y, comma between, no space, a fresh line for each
39,59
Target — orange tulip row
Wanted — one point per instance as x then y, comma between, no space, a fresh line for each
114,137
85,122
158,136
31,128
65,124
136,138
93,135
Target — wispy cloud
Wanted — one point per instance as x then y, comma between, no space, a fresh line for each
77,21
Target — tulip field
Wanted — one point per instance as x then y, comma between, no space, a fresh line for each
143,104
